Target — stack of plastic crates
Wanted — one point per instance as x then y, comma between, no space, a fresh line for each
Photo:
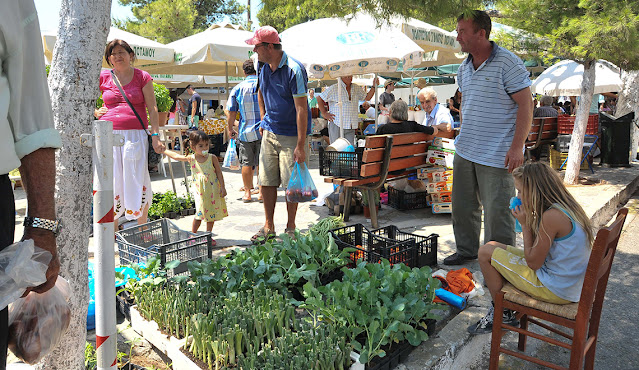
164,239
426,246
387,243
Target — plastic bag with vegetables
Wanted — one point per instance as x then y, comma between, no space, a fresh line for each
22,265
301,187
38,321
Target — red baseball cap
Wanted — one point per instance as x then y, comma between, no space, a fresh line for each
266,34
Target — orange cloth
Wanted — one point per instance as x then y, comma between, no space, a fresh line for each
458,281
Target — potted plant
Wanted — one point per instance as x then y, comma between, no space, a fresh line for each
163,101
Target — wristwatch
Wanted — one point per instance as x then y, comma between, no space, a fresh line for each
43,223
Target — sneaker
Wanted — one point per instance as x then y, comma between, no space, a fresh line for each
485,324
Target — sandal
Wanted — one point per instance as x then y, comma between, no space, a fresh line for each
290,232
262,236
247,199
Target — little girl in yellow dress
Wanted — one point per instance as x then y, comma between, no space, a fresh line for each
207,180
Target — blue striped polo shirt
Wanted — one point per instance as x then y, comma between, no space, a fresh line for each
243,99
488,111
278,89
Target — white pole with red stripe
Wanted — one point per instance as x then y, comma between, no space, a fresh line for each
104,274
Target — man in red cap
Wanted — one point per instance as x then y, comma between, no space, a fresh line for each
286,120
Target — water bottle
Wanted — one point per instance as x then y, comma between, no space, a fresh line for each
514,202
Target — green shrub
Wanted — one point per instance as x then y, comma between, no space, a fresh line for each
162,97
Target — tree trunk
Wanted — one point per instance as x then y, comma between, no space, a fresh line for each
629,102
581,121
73,82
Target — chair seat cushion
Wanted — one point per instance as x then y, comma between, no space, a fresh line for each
512,294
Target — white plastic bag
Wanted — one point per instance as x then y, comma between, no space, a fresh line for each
22,265
38,321
230,158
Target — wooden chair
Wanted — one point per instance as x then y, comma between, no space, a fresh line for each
582,317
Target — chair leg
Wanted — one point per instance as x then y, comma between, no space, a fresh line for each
495,343
523,324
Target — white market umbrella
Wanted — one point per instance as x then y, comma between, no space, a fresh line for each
335,47
146,51
440,46
214,52
565,77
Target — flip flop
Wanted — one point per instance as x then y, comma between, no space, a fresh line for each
255,191
262,236
247,200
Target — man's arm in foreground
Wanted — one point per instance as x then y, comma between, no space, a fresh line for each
37,171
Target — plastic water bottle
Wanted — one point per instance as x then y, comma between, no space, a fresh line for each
514,202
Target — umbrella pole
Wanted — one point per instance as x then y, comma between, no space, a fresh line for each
226,82
340,105
411,100
376,97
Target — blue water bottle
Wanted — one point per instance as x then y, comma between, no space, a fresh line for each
514,202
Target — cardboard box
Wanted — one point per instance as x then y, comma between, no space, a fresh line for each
442,208
436,174
443,197
439,187
444,143
440,157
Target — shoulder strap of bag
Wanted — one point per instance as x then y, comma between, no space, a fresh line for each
117,83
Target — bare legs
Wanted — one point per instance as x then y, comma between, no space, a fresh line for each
493,279
196,225
269,193
247,179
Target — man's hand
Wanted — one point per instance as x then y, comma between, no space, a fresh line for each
329,116
299,154
232,133
44,239
514,158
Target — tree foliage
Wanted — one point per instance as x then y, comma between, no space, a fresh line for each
162,20
581,29
171,20
284,14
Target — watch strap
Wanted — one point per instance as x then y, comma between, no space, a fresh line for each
42,223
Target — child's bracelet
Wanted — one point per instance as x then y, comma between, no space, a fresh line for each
155,134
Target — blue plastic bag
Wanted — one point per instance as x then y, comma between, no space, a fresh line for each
301,187
230,158
514,202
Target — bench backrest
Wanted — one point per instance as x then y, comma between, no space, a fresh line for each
408,150
544,129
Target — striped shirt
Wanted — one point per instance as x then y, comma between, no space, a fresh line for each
243,98
349,113
488,111
279,88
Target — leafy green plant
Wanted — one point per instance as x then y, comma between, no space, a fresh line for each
99,102
90,357
162,97
384,304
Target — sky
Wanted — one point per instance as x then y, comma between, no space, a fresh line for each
49,12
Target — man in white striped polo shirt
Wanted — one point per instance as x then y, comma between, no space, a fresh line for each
497,109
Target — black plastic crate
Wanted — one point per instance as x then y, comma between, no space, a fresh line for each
164,239
426,246
372,248
563,142
341,164
403,201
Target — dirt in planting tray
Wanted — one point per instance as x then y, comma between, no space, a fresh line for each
144,362
195,360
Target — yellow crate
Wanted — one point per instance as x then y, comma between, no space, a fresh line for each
557,158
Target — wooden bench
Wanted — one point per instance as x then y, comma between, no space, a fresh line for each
384,157
543,131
